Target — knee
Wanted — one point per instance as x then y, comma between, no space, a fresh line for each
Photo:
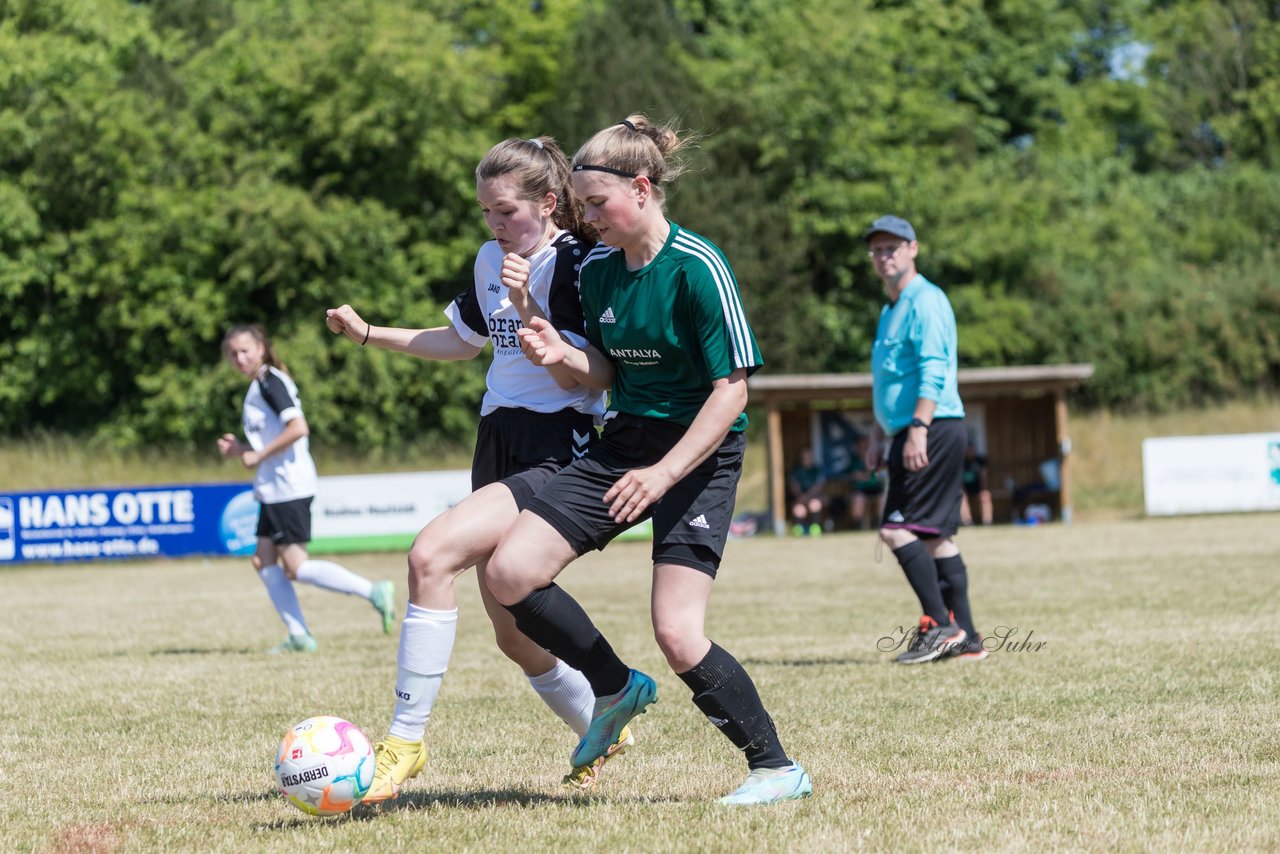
426,567
679,645
895,538
502,580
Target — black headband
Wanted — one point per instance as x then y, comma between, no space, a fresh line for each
591,167
627,123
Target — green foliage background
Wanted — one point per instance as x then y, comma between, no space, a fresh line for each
1091,182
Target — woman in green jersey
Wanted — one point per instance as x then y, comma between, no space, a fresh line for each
666,332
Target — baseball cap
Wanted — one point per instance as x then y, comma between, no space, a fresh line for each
895,225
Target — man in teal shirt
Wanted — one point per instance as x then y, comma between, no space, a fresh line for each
917,406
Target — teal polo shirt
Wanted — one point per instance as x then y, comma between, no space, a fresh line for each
914,356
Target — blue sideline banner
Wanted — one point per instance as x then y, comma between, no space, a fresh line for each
154,521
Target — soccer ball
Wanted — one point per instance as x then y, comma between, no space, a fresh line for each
324,765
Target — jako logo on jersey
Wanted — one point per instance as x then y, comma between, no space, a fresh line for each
608,317
700,522
494,289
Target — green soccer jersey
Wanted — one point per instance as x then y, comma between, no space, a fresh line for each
672,327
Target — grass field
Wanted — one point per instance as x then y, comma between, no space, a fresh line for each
140,715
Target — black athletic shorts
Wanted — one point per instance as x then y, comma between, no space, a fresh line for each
524,449
690,522
286,523
927,502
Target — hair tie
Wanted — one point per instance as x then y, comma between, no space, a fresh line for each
628,124
536,142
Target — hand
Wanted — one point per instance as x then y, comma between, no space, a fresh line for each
872,458
915,453
636,491
250,459
344,321
515,275
541,343
228,445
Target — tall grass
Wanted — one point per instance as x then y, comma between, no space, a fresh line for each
139,713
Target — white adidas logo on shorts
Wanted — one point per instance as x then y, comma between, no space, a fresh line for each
700,522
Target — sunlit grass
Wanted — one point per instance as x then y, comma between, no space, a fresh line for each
139,713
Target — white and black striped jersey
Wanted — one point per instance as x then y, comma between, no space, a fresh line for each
485,313
271,403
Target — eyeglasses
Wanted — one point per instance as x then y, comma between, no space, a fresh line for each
885,251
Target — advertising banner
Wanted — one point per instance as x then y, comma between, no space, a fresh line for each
1211,474
127,523
350,513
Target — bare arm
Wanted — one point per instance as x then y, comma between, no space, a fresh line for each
639,488
543,346
440,343
292,432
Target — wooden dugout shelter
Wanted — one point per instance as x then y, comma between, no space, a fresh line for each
1018,416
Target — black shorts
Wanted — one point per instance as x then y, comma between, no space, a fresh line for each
524,449
286,523
690,522
927,502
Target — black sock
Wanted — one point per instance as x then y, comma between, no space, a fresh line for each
724,692
954,580
552,619
922,575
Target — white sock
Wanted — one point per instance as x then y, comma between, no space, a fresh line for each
567,693
328,575
285,598
426,644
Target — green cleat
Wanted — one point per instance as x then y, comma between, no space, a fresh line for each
294,643
383,599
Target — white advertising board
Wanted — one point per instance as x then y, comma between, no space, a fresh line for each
372,511
1211,474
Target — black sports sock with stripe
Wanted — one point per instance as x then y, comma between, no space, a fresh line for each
724,692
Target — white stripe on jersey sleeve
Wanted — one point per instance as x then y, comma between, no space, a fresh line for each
730,301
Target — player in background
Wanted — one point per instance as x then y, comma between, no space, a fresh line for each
915,391
284,485
534,421
668,334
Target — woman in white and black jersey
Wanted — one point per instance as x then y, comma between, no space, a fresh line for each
285,484
534,421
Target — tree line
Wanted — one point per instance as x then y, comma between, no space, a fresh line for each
1091,181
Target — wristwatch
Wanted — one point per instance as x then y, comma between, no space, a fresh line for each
916,422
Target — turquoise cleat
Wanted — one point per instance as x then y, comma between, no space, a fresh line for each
771,786
612,716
